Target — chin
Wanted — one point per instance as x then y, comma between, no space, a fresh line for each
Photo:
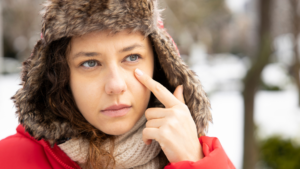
118,129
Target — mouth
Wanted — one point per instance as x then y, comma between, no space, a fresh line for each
116,110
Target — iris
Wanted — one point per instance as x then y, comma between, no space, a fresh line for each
132,57
90,63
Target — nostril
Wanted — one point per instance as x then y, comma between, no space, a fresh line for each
115,89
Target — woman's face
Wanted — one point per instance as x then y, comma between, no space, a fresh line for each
102,75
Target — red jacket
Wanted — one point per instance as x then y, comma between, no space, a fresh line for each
23,151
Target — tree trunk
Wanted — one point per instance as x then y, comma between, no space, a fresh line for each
295,24
251,83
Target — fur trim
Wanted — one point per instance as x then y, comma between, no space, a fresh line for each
67,18
72,18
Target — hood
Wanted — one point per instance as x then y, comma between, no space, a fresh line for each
68,18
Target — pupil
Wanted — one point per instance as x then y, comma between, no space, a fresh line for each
133,57
91,63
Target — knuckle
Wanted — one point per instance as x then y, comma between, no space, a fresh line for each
174,112
164,132
164,136
147,113
173,124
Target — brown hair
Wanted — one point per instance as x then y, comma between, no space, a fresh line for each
55,94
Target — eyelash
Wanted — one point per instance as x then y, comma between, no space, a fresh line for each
139,57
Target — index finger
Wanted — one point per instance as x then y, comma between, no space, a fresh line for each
161,93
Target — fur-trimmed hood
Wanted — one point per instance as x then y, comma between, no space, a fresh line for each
68,18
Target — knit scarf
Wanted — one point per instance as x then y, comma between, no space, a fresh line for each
130,151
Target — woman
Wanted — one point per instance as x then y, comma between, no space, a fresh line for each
105,87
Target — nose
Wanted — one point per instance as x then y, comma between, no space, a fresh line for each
115,83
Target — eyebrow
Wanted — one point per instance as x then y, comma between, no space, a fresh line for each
125,49
87,54
131,47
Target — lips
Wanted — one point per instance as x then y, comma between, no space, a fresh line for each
116,110
116,107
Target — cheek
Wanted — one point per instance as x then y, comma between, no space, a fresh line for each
136,88
86,93
139,92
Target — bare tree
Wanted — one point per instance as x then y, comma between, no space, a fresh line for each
295,23
21,19
252,79
203,20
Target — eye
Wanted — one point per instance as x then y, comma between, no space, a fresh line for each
90,63
132,57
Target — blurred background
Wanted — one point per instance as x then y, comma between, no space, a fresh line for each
245,52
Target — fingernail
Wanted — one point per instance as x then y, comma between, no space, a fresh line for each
139,72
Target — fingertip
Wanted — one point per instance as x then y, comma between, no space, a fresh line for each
179,88
147,142
138,72
178,93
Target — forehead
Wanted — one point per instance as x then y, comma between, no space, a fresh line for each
105,38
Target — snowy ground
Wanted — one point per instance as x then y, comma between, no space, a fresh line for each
276,113
8,121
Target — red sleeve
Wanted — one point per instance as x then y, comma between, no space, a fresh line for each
214,157
23,151
18,151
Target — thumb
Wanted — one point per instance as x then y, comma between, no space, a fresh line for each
178,93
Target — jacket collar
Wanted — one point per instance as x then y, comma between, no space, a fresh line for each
55,155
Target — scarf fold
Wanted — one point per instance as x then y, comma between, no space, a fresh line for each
130,151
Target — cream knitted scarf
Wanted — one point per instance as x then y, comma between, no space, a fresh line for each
130,150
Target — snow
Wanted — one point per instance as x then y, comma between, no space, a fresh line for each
275,112
275,74
284,48
218,72
227,112
8,120
236,5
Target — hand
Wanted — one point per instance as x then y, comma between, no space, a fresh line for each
173,126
